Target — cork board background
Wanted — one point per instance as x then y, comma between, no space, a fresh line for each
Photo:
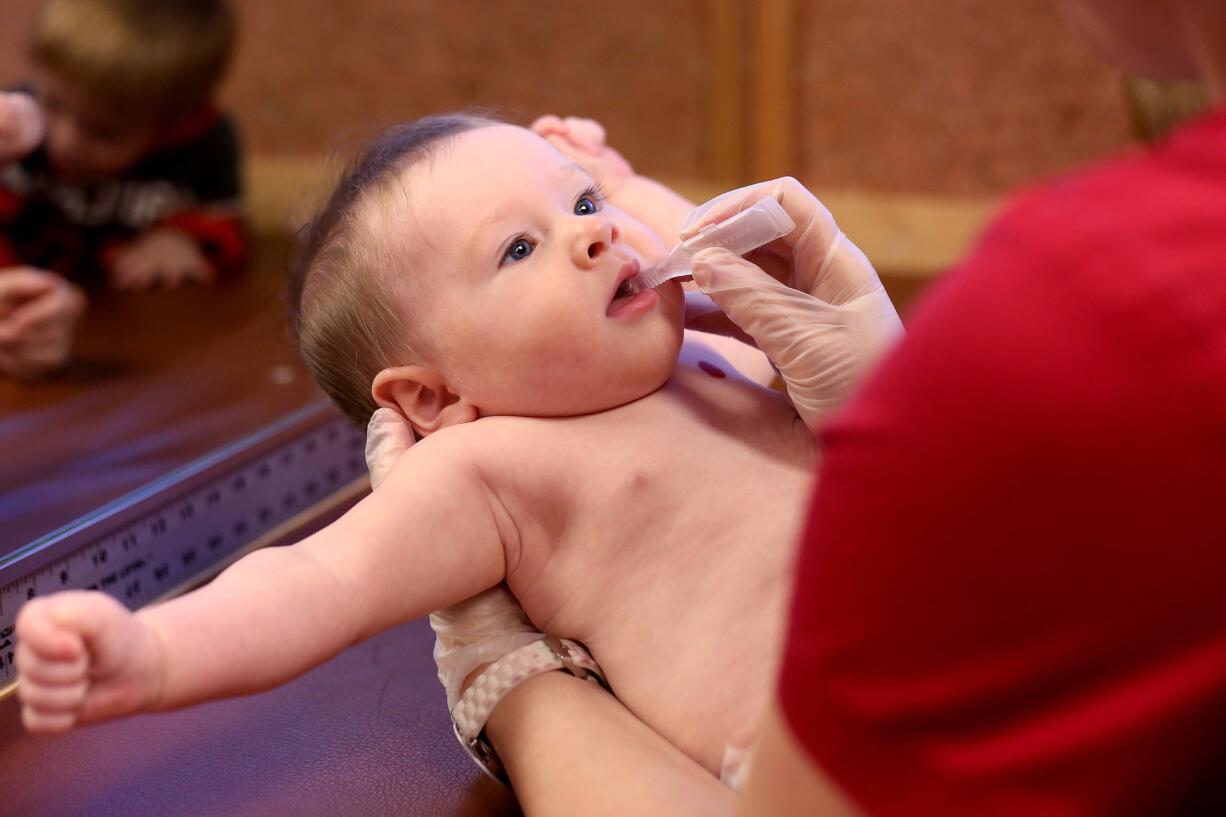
941,97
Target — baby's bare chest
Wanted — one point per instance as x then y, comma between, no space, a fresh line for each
682,507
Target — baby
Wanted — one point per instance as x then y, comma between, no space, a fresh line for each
635,493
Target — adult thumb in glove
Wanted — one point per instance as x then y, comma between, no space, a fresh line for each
820,349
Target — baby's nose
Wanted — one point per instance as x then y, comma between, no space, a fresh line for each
600,238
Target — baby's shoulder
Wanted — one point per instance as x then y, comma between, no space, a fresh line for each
491,445
520,464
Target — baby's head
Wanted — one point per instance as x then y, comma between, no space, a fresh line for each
465,268
113,76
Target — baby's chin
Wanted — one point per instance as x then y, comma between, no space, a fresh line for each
602,387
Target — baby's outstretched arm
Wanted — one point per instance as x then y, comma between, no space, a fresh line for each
429,538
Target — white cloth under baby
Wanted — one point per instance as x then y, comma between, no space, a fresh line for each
735,769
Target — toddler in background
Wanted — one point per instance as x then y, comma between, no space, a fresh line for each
635,493
114,163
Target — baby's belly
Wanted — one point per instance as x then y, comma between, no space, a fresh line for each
671,558
701,679
692,644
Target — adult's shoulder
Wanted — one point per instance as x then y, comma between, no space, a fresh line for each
1020,509
1090,312
1151,217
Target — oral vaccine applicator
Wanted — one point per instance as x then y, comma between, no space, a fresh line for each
744,232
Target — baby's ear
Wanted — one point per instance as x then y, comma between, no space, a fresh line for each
421,396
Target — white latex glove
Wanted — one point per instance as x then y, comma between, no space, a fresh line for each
38,314
826,323
21,126
472,633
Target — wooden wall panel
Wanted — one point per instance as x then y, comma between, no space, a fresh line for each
941,97
332,67
947,96
312,75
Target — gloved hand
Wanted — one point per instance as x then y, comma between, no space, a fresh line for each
828,318
470,634
38,313
21,126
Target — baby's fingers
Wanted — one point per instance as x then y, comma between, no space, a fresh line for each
37,722
49,671
547,124
587,133
52,700
129,276
38,630
574,132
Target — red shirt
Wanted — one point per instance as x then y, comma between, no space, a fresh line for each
1012,594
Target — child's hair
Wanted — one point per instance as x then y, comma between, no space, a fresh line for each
148,59
343,281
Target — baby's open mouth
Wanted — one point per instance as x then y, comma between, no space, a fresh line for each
625,287
624,290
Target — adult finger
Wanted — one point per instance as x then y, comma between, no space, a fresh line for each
20,284
800,205
387,437
60,306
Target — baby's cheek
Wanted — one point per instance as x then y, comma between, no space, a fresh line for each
551,336
642,239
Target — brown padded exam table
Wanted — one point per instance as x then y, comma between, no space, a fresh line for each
159,380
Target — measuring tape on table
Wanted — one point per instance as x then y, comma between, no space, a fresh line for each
179,530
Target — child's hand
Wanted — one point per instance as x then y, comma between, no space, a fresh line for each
161,258
83,656
21,126
38,313
582,141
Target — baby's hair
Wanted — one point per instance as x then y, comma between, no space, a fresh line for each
153,60
342,281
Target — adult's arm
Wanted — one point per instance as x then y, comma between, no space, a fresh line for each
572,748
38,314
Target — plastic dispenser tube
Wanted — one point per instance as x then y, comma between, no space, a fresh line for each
744,232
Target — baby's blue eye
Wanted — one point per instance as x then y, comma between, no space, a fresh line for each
586,206
520,249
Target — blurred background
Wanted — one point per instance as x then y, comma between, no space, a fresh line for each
909,118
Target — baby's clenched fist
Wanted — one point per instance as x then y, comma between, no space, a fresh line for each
82,656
